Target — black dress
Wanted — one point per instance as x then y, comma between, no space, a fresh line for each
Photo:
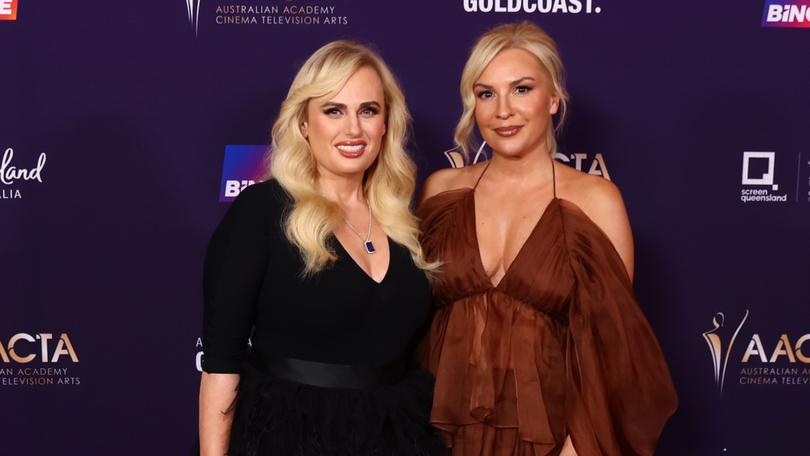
329,370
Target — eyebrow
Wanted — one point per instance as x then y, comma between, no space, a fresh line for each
366,104
511,84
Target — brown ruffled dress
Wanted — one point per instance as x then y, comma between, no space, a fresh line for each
559,347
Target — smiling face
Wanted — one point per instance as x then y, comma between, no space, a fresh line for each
345,131
514,104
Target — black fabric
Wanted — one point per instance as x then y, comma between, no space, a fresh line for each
278,417
326,375
253,287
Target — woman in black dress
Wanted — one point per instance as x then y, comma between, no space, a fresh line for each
321,267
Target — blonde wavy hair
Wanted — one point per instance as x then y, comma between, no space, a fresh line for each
388,184
521,35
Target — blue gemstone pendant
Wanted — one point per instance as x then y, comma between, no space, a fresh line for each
369,247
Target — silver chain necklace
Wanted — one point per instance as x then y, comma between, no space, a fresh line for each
367,244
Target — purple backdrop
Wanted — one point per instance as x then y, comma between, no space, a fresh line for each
134,103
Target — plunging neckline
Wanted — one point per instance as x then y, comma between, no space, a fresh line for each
360,268
474,230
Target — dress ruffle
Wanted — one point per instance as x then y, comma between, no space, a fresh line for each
558,348
277,417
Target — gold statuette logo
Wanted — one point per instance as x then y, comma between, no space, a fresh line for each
715,341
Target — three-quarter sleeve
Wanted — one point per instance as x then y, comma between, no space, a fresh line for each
619,393
235,266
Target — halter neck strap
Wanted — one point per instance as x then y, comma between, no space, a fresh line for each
481,175
553,177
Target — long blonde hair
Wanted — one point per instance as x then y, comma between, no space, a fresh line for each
389,182
521,35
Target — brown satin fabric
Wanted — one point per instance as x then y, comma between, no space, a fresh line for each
558,347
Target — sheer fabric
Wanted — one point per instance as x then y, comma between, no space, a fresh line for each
558,347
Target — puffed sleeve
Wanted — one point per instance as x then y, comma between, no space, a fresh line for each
619,393
235,266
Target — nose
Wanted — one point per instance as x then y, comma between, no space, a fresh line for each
504,108
352,126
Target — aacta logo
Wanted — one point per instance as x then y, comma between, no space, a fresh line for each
24,348
759,365
786,13
596,168
580,161
720,346
782,348
456,158
8,10
193,8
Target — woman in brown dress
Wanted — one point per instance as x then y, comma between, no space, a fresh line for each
538,344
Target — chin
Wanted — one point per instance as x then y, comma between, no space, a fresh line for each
507,148
352,166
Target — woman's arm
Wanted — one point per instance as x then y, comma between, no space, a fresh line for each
604,205
217,394
235,266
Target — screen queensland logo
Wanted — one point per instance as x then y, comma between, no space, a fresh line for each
759,183
38,359
8,10
243,165
786,13
772,358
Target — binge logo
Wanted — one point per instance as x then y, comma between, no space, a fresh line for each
243,166
758,171
8,10
786,13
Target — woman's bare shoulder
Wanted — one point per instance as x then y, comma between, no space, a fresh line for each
601,200
591,193
447,179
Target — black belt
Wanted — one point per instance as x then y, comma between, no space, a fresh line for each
325,375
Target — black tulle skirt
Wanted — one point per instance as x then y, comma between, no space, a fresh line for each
280,417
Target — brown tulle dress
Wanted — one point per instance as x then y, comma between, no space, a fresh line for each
559,347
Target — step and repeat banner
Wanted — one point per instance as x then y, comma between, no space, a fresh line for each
126,128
